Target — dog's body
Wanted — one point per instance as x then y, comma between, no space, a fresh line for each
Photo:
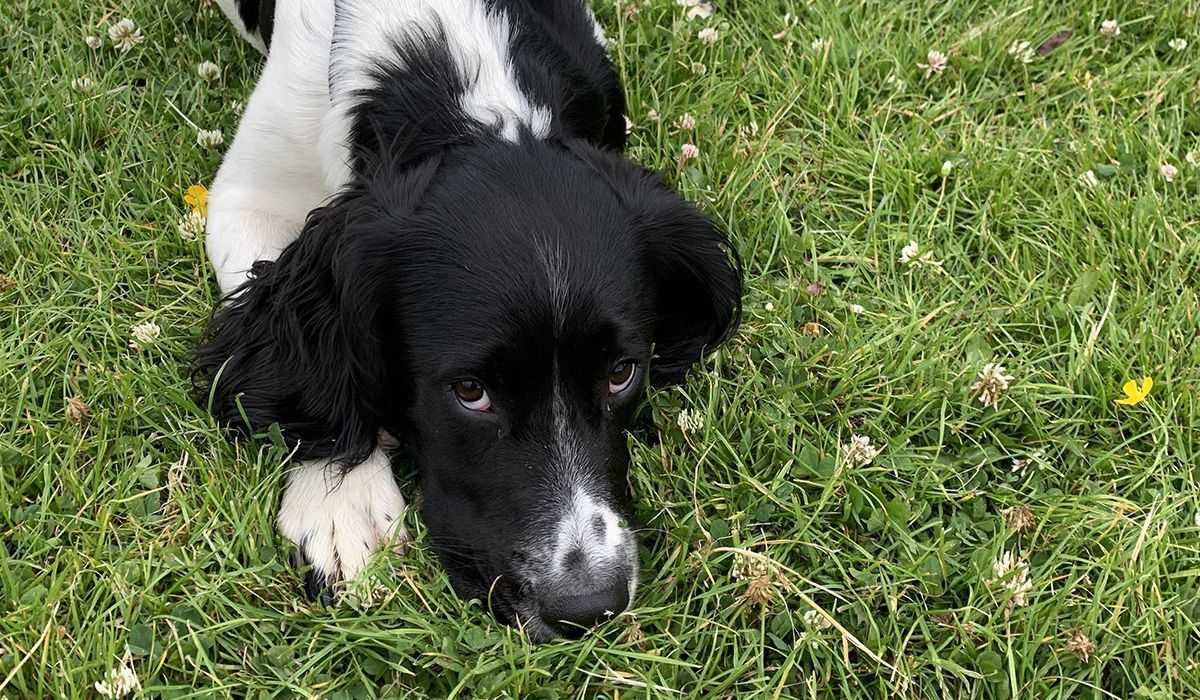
485,279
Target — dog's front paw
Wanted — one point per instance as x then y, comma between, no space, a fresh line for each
339,521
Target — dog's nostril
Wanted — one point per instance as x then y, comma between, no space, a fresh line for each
599,527
586,609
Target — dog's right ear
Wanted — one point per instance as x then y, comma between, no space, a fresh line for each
298,343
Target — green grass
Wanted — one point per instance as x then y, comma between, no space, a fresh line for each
143,526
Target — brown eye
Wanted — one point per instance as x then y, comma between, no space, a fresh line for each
621,376
472,395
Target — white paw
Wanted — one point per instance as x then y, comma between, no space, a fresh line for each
339,523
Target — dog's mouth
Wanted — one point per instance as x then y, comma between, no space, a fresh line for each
560,587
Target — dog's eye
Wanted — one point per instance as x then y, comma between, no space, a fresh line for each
472,395
621,376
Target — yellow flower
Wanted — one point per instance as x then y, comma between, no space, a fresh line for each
1134,393
197,196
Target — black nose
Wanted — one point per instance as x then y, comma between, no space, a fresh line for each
573,611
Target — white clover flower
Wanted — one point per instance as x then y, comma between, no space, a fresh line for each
144,334
1088,179
209,139
1198,520
93,42
1021,464
769,307
191,226
990,384
895,82
1021,51
790,22
125,35
653,115
817,624
858,452
702,9
1109,29
912,256
121,681
237,107
83,84
688,152
747,567
1178,43
1168,171
686,122
935,63
628,124
816,620
708,35
947,168
748,130
821,45
1193,157
1012,573
208,71
857,308
699,68
690,421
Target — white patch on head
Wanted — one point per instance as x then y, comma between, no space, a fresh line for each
588,526
593,532
479,39
340,522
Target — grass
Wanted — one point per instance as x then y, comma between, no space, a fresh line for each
142,527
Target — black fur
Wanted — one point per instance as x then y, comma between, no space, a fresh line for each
258,16
531,267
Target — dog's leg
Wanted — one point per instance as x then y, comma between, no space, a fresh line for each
274,171
339,521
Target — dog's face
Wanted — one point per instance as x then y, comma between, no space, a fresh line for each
502,311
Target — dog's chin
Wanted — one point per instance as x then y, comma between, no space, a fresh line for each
528,619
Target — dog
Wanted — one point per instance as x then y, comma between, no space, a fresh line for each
425,231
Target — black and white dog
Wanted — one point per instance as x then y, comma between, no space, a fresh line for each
426,230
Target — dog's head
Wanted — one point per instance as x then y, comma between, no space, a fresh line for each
501,309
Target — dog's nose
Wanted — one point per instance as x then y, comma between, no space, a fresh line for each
572,612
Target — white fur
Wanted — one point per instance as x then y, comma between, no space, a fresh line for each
597,28
341,522
274,171
614,548
478,39
290,152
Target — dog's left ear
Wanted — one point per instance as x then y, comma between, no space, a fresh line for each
697,279
696,270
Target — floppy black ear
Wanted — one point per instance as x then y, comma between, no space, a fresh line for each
696,271
298,343
697,278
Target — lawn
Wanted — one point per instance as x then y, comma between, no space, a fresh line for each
850,500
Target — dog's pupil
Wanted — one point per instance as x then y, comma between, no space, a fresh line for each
621,372
469,391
